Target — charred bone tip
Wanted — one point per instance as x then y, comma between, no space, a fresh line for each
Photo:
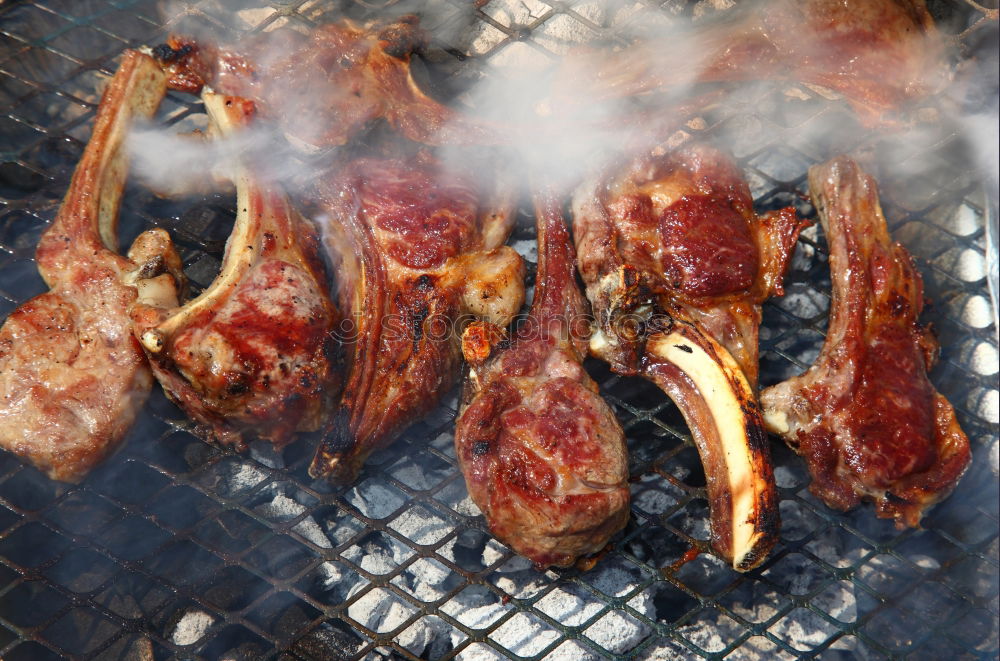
153,340
324,464
335,459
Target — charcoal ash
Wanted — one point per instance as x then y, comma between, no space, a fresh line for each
430,638
618,631
381,610
518,578
476,607
427,580
378,553
191,627
573,650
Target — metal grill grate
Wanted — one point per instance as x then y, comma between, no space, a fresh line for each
175,549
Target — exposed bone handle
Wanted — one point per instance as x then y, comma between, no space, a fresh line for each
715,398
87,222
228,115
493,284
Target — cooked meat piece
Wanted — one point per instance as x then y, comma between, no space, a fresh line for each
877,53
543,455
418,251
680,227
676,265
326,86
72,377
254,354
865,417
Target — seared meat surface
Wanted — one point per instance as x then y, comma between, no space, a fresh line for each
72,377
680,227
865,416
254,354
542,453
877,53
676,265
324,87
418,251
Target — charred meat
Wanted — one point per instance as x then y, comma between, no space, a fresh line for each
254,354
676,265
72,377
865,417
419,253
543,455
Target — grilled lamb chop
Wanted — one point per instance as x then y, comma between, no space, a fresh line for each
326,86
72,377
253,354
676,265
543,455
865,417
419,253
877,53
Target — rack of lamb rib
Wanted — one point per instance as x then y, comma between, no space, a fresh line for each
676,265
72,377
543,455
419,253
255,352
865,417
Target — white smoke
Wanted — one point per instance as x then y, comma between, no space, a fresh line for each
175,164
531,79
515,90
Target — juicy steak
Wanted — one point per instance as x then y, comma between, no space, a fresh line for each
72,377
419,254
865,417
676,265
254,354
542,453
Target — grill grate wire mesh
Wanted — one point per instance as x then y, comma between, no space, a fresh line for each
176,549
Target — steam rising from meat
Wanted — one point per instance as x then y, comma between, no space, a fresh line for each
174,164
569,111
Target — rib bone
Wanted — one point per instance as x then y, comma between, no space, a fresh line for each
253,353
676,265
721,410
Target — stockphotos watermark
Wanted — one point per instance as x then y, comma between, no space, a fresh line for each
415,326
